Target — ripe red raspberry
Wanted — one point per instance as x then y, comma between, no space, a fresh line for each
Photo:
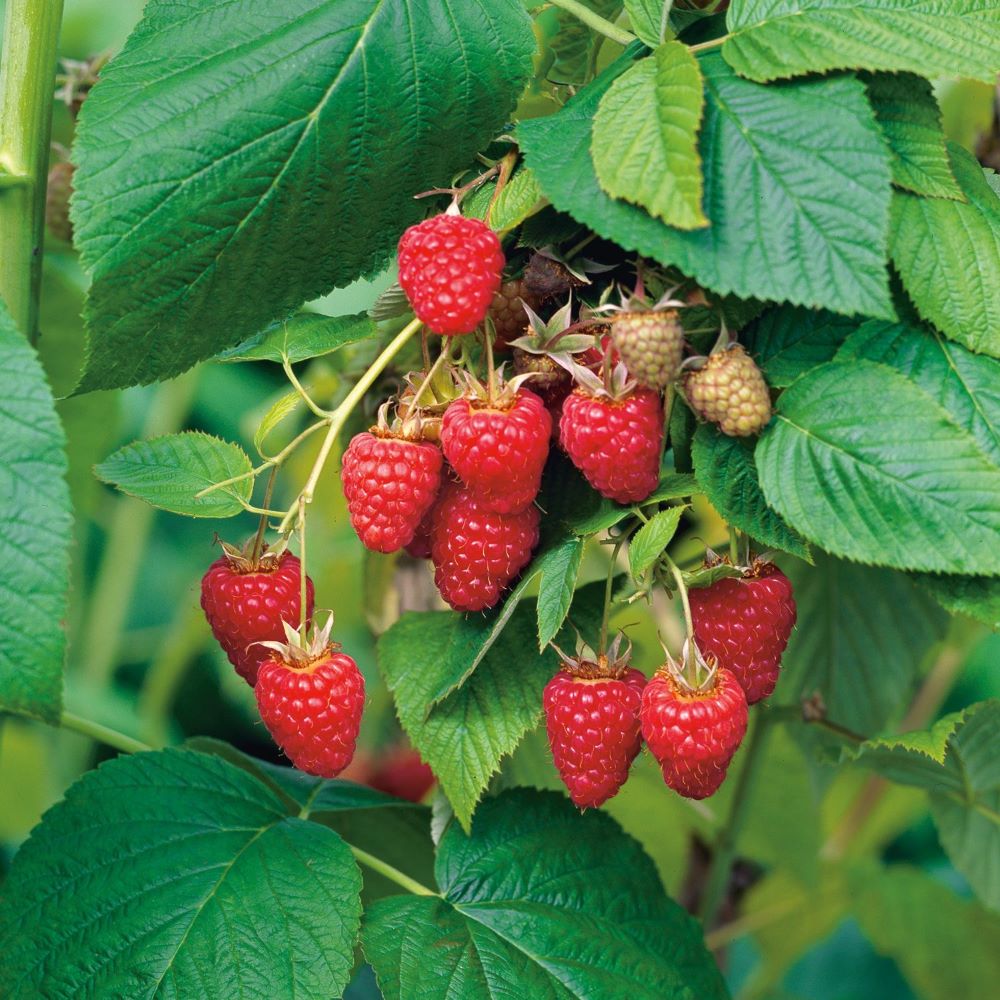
310,697
745,624
246,603
498,450
729,391
616,443
390,483
476,552
694,733
400,771
450,268
420,546
592,719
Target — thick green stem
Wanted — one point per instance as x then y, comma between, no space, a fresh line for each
601,25
725,846
27,83
125,548
393,874
103,734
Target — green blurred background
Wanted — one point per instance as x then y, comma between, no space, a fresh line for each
142,660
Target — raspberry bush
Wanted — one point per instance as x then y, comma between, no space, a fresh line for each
600,403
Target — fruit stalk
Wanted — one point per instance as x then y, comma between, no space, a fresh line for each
725,846
27,82
608,585
102,734
683,591
393,874
593,20
339,417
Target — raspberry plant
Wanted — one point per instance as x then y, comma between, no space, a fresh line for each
783,196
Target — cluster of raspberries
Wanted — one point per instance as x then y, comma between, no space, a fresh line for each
461,488
599,710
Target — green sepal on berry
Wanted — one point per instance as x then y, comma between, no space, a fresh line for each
303,643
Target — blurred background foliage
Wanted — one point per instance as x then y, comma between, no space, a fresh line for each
141,658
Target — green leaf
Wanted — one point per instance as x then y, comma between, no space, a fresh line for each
672,486
650,20
948,255
908,115
964,788
165,873
35,529
773,39
304,336
573,45
464,736
559,568
594,513
284,406
911,758
648,543
779,163
645,136
788,340
945,946
168,471
861,638
518,199
297,136
472,636
464,726
393,830
968,821
540,901
728,475
865,463
967,385
975,596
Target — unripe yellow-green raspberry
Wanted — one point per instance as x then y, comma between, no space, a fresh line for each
731,392
651,344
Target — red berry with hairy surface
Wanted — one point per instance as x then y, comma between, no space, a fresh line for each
246,603
745,624
420,546
694,733
478,552
593,730
498,450
311,704
390,483
450,268
616,443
